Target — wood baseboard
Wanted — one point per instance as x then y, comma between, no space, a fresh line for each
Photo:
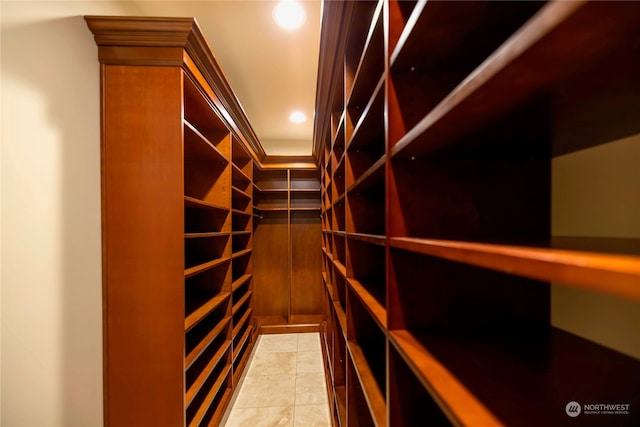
289,329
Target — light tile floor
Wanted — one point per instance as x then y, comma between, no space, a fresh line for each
283,385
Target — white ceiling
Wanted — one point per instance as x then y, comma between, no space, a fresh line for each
272,71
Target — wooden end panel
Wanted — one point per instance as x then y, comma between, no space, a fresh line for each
143,220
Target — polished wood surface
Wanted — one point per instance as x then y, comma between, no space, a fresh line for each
373,396
291,329
271,265
366,345
490,366
143,251
436,193
551,37
612,274
177,196
464,405
377,310
306,263
288,277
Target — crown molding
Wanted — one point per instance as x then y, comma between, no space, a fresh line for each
154,41
333,37
288,162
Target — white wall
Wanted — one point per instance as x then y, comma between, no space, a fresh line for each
51,326
596,193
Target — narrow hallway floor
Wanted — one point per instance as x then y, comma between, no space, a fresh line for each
283,385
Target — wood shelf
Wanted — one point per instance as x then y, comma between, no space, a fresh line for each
202,148
272,190
612,274
375,309
340,267
267,180
339,168
242,358
440,382
209,398
338,148
373,175
304,200
241,364
205,342
366,264
369,61
514,70
445,174
205,266
204,374
243,320
240,281
202,250
239,193
238,174
304,209
366,201
238,304
241,345
456,371
373,395
342,318
375,239
205,219
314,191
205,308
367,144
239,212
206,234
270,209
241,253
367,345
191,202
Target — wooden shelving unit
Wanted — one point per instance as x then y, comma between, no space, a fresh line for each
177,225
437,126
287,248
241,258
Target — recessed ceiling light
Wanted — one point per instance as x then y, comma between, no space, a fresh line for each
297,117
289,14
